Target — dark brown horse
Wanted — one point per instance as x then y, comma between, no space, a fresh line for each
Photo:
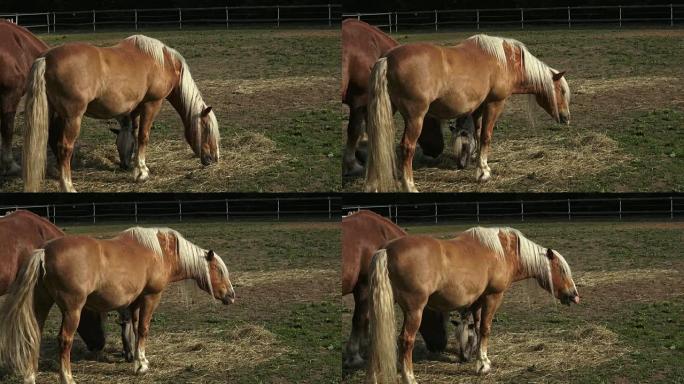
470,272
18,49
474,77
362,46
363,233
20,233
129,271
128,82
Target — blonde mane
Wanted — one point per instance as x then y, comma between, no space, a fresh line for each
536,73
191,99
192,259
532,256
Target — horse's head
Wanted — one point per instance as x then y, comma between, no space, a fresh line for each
564,288
559,107
220,279
126,145
209,146
463,140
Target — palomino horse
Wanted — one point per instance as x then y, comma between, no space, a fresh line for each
363,233
129,82
474,77
20,233
470,272
362,46
18,49
76,272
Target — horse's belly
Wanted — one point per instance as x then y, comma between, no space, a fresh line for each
451,300
111,298
451,107
110,107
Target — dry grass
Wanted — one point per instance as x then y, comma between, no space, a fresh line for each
251,279
249,87
597,278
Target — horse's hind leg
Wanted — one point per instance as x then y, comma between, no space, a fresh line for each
7,164
149,304
70,319
127,333
351,164
407,338
412,129
491,113
490,305
149,112
359,326
65,149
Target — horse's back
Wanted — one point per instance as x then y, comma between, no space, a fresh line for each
363,233
18,49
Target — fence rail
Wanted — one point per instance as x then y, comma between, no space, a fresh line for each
670,207
617,15
277,208
137,19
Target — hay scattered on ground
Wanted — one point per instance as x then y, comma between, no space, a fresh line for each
257,278
251,86
595,278
598,86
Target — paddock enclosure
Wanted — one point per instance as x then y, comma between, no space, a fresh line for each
284,324
627,327
275,95
626,127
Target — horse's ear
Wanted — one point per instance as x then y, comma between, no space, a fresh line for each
206,111
115,131
210,255
550,254
558,76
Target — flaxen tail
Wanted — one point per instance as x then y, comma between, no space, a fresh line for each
380,167
382,359
36,128
20,333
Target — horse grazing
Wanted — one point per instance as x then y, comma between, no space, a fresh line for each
474,77
129,271
18,49
468,273
129,82
363,233
362,45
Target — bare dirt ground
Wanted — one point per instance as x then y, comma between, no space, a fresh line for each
627,328
626,126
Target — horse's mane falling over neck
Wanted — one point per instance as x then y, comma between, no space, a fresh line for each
191,102
532,256
536,73
191,258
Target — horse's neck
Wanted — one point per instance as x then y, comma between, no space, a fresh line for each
176,102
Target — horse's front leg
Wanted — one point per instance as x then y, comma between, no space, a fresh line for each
127,334
351,164
489,307
359,326
412,321
149,304
65,149
148,113
491,113
412,129
7,164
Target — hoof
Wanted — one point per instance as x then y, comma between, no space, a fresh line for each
354,171
354,362
483,368
128,356
11,169
140,176
483,175
141,368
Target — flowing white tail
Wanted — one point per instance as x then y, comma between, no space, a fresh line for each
381,164
20,333
36,129
382,360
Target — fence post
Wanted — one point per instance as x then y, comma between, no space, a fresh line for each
477,205
389,17
227,215
278,200
620,14
620,209
47,18
278,16
329,208
135,14
569,214
477,15
16,19
522,211
569,19
180,19
671,16
93,20
396,22
396,214
94,213
522,19
54,22
671,208
180,211
47,208
330,15
436,23
135,208
436,214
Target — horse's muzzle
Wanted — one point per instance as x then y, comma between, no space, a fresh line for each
564,119
208,160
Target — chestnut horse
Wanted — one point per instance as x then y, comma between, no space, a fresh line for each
474,77
20,233
77,272
362,45
127,81
363,233
18,49
470,272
